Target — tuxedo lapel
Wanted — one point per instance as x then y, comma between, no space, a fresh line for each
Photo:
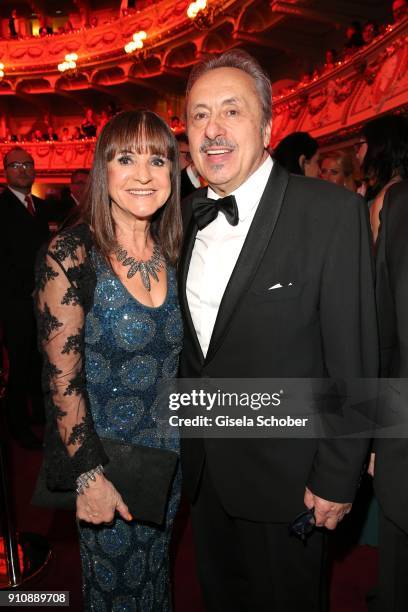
18,205
185,258
255,244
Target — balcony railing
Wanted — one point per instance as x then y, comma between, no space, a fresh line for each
333,107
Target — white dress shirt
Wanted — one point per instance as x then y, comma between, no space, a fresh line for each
193,177
21,196
215,253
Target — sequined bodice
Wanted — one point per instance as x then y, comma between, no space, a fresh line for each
129,349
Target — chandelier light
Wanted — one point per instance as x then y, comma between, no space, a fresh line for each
195,7
1,70
69,64
137,42
201,14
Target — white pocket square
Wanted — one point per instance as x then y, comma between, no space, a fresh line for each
279,286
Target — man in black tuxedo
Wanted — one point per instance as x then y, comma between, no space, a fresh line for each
391,456
23,229
277,285
189,178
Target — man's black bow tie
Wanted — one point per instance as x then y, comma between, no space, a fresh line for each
205,210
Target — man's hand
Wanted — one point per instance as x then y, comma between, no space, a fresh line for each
99,502
327,513
371,465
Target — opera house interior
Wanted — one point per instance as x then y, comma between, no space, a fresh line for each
68,68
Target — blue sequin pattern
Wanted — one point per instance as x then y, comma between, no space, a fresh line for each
129,349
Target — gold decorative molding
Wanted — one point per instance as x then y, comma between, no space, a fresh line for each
56,159
333,106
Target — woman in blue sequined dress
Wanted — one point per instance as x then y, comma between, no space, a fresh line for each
110,331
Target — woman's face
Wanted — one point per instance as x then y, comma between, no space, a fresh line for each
331,170
361,149
368,33
138,184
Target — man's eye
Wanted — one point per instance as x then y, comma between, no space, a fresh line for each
158,161
125,160
232,112
199,116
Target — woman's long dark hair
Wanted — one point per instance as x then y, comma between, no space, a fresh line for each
387,151
291,147
140,131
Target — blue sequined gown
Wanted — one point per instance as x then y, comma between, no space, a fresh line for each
129,349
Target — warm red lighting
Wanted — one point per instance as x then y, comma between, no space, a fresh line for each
3,564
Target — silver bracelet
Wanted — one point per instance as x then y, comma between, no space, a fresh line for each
83,480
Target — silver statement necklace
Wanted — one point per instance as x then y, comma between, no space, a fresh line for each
147,268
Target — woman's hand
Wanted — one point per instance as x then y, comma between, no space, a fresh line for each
99,501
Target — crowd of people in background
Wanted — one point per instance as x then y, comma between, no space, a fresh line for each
357,36
20,27
90,127
378,160
43,130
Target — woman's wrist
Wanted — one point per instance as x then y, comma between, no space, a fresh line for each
90,476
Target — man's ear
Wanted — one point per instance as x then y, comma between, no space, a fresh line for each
267,134
302,161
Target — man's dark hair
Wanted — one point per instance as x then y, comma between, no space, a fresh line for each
11,151
182,137
291,147
387,150
237,58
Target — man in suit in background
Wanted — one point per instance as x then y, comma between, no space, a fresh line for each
275,282
189,177
23,229
391,454
71,197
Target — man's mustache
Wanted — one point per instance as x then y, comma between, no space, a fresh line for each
216,142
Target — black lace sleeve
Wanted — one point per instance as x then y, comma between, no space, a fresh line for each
65,282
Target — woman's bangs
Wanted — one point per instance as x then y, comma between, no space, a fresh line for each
141,134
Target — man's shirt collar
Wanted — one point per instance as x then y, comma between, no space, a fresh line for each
250,192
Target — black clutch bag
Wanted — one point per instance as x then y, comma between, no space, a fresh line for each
143,476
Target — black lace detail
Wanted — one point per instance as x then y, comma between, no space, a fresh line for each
73,343
71,297
44,273
78,434
66,245
47,323
76,384
55,411
64,294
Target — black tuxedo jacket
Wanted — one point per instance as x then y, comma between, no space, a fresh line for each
21,236
391,465
314,235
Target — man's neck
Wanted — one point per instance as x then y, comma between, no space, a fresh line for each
23,192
